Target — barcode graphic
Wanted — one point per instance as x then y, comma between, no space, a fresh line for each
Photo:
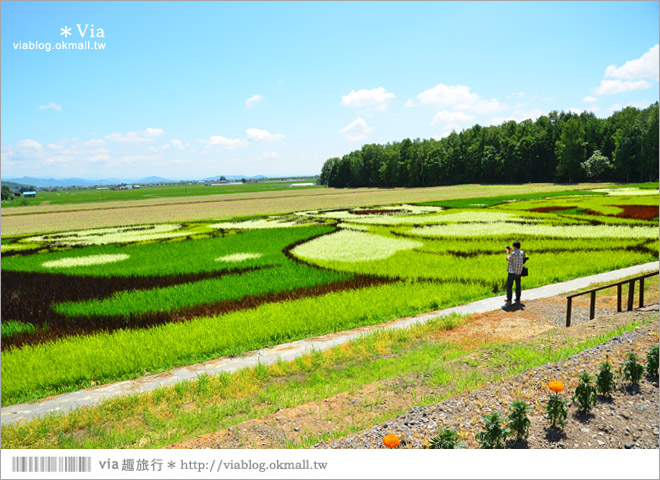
51,464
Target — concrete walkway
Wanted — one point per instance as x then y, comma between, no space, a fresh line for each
287,351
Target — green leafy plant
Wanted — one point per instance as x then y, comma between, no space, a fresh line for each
446,439
518,420
652,361
556,407
605,379
493,435
632,370
585,393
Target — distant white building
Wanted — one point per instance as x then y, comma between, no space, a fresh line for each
29,194
302,185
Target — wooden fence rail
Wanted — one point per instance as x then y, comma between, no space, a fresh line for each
619,293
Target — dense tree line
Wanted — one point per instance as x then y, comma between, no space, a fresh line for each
558,147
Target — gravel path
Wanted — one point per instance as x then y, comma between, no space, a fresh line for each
628,420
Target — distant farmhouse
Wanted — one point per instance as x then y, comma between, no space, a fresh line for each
30,194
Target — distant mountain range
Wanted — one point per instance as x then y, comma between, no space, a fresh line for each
84,182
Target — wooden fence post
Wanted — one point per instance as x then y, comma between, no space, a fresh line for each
568,311
631,294
592,307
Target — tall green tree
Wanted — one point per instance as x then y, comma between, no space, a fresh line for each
570,150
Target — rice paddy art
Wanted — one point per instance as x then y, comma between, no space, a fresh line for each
100,305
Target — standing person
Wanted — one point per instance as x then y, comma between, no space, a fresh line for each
515,257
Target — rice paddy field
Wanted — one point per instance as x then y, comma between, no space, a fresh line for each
88,307
87,195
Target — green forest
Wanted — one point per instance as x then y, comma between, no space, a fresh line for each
559,147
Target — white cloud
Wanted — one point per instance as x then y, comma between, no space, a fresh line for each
175,143
641,104
102,157
645,66
487,106
253,100
224,142
376,97
59,160
268,155
457,98
146,135
135,158
451,118
259,135
52,106
153,132
357,130
608,87
28,143
94,142
575,110
589,99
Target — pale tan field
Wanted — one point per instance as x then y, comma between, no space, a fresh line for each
43,219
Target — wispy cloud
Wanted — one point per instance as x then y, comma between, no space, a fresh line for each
224,142
376,98
259,135
51,106
253,100
608,87
146,135
357,130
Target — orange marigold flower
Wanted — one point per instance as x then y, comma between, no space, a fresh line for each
390,440
556,386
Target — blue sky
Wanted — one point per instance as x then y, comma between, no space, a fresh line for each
196,89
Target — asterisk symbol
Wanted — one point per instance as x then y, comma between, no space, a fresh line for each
66,31
171,464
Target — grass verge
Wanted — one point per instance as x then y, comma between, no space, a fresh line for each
189,409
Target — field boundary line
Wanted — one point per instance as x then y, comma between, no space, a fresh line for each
62,403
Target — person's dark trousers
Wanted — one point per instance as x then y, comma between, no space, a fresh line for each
509,286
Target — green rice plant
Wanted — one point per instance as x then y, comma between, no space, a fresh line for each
351,246
605,379
652,361
343,372
72,363
517,229
493,434
585,394
518,420
631,370
446,439
12,327
173,258
289,276
511,199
